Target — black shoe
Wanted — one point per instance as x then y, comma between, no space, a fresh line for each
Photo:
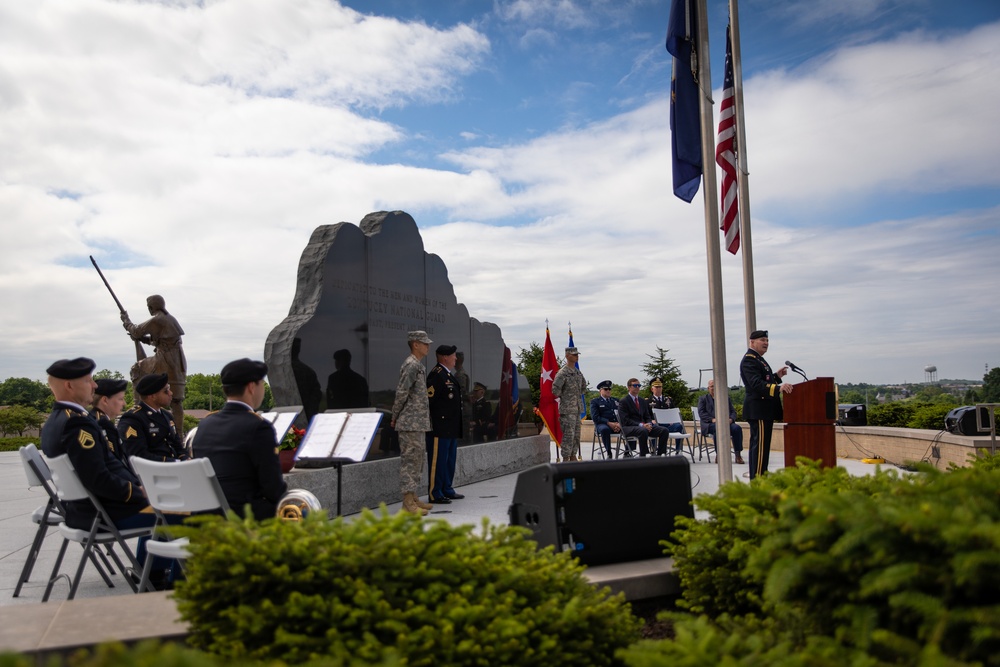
439,501
456,496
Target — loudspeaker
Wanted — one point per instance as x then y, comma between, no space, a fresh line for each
604,511
962,421
852,414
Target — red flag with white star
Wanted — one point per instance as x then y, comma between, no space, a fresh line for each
548,407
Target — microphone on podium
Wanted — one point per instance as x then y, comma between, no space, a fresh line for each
796,369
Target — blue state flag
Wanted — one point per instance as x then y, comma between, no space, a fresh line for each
685,114
583,396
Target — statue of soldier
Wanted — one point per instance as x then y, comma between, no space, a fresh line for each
163,332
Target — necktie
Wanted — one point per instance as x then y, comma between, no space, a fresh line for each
636,399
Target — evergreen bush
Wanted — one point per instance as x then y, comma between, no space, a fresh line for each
435,594
902,569
895,414
929,416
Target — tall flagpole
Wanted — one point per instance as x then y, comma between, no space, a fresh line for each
712,242
743,173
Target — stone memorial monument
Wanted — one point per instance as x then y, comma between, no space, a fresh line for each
360,288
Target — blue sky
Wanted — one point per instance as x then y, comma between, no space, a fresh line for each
192,147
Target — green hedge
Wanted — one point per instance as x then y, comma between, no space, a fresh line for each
14,443
435,593
902,570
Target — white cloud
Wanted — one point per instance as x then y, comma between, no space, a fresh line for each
194,149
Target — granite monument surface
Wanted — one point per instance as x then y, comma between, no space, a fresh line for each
360,289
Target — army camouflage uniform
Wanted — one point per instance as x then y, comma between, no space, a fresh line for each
412,417
569,386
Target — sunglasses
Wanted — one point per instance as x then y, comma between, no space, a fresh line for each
635,385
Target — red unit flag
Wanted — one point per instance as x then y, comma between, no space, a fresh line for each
548,407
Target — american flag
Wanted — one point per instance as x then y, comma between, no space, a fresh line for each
725,156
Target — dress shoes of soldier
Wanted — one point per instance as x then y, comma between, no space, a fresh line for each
454,496
439,501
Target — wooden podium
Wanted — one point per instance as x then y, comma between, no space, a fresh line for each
810,412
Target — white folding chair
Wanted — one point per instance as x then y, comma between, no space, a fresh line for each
102,531
173,488
701,440
673,416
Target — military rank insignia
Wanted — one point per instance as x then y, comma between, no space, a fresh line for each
85,439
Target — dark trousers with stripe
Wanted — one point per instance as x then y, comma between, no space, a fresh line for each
760,445
441,456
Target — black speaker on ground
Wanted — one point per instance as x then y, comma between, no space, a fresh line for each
604,511
852,414
962,421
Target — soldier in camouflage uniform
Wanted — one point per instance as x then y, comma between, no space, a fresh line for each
411,417
569,386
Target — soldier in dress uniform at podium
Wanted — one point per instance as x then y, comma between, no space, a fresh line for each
762,405
241,444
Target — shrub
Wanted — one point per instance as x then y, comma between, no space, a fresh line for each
902,569
891,414
435,593
929,416
14,443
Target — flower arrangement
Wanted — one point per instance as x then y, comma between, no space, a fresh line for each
292,439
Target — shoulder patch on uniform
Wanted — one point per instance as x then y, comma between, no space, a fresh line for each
430,391
131,433
85,439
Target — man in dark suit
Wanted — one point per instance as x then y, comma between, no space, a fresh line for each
444,394
637,418
604,413
148,428
706,414
241,444
762,405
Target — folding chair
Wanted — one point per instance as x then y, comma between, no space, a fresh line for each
47,516
626,440
176,487
102,530
701,440
673,416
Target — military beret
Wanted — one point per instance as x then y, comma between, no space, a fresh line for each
604,384
758,334
572,350
445,350
418,336
243,371
479,385
71,369
109,387
150,384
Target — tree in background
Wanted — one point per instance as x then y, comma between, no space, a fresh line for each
529,365
991,386
16,419
23,391
203,392
659,365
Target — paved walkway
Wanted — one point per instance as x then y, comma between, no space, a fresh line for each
490,499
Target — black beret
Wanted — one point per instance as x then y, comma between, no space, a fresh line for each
150,384
109,387
604,384
243,371
758,334
71,369
445,350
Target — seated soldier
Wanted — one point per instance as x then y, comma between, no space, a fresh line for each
70,430
241,444
109,401
657,401
604,413
148,427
